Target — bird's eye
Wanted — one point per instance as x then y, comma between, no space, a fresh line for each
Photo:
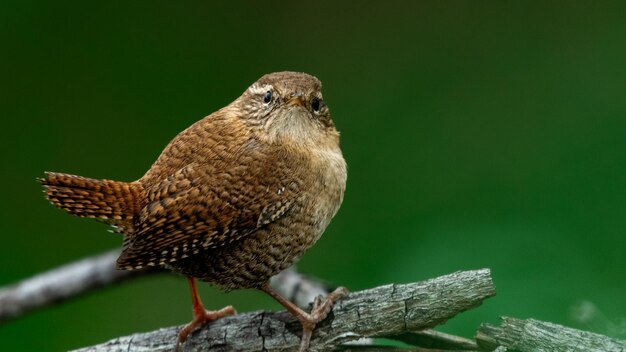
315,104
267,97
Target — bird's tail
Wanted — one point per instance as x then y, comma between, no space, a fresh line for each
91,198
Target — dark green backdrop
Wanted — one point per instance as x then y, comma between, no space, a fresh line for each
486,134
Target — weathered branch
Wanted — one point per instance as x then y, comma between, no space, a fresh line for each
383,311
298,288
62,283
438,340
92,273
379,313
534,335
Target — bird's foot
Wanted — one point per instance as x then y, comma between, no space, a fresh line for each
200,318
321,308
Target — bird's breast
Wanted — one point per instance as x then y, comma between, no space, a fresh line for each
327,178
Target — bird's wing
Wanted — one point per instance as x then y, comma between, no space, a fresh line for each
191,211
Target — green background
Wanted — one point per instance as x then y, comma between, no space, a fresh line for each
478,134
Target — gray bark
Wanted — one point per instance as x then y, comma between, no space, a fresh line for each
62,283
438,340
392,311
89,274
384,311
534,335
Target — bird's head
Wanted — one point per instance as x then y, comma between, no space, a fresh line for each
288,107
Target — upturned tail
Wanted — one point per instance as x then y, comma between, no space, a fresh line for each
115,201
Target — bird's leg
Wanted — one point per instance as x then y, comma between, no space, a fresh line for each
201,316
321,308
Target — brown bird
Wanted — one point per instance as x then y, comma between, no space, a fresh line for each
232,200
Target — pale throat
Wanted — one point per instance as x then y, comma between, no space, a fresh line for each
293,126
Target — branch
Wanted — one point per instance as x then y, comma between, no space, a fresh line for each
384,311
393,311
89,274
299,288
439,340
534,335
62,283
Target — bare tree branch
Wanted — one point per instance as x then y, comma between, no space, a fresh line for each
89,274
438,340
62,283
534,335
86,275
299,288
376,310
384,311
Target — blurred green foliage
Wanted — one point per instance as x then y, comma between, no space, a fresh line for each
478,134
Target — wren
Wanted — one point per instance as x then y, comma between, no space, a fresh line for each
232,200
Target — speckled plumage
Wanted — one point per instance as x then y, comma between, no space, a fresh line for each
233,199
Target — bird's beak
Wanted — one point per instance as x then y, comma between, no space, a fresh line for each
295,101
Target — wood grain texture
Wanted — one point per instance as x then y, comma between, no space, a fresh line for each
90,274
383,311
62,283
535,335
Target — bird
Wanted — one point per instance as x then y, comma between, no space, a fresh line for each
232,200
